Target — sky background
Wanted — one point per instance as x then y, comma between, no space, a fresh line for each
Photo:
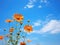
44,16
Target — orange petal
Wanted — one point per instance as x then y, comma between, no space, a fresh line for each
18,17
1,37
8,20
28,28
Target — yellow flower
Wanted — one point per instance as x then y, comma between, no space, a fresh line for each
18,17
28,28
1,37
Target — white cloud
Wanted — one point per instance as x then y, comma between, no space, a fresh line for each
32,0
43,1
37,23
29,6
52,27
55,31
25,7
39,6
32,3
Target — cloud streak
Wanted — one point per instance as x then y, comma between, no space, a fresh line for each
52,27
37,23
32,3
29,6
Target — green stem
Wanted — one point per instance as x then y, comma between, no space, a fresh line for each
11,39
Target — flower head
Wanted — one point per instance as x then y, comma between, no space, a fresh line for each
11,29
8,20
1,37
18,17
28,28
22,43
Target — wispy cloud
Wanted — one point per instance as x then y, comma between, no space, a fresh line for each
40,6
29,6
52,27
37,23
43,1
32,3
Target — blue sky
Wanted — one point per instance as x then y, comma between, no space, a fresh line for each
44,16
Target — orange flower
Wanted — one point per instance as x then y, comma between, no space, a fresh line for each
28,28
11,29
18,17
28,40
8,20
1,37
22,43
